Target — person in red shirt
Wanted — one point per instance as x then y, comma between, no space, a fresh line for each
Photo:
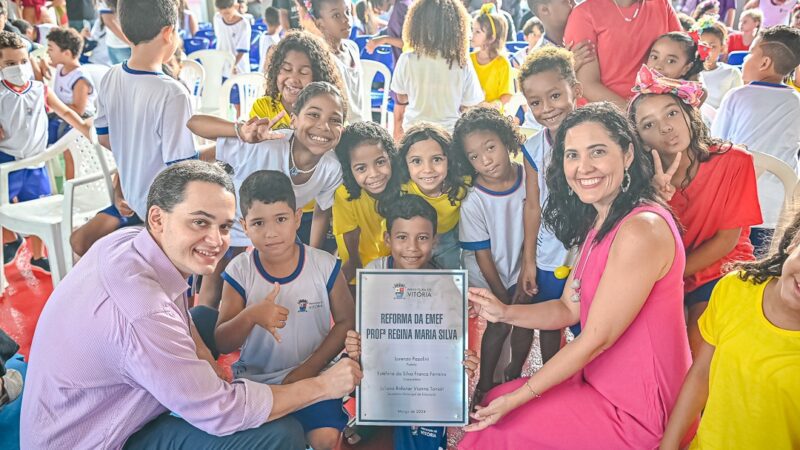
622,32
749,25
710,186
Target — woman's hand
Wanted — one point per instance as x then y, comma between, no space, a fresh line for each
491,414
662,181
484,304
583,52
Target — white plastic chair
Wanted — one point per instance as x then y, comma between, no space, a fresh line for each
52,218
215,63
369,69
251,87
193,76
784,172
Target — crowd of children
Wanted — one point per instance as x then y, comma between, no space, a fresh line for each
322,190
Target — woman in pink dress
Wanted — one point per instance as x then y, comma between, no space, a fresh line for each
613,387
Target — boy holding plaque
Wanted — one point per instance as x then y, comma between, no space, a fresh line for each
278,300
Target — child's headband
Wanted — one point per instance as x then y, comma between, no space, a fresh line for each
649,81
487,9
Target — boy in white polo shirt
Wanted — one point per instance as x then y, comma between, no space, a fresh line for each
24,103
278,301
141,115
764,115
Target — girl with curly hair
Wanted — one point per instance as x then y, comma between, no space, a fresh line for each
297,60
436,79
748,359
426,165
491,228
716,199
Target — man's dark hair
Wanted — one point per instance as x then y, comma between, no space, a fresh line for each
272,17
66,39
266,186
407,207
142,20
169,187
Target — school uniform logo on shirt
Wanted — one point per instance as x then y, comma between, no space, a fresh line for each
304,305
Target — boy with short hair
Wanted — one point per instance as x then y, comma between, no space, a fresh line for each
141,116
533,32
270,37
553,15
411,237
233,34
764,114
72,86
24,103
278,300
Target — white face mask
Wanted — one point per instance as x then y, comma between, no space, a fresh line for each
17,75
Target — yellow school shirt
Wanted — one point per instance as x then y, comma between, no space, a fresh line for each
754,380
495,77
446,213
359,213
266,107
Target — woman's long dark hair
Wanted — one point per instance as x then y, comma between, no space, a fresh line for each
700,140
566,215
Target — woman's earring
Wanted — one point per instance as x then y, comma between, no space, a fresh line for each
570,191
626,181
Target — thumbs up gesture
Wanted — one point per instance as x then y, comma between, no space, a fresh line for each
269,315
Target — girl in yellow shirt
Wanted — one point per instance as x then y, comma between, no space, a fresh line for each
489,60
298,59
745,376
426,167
366,152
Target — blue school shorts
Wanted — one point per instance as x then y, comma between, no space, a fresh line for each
551,288
26,184
700,294
123,221
324,414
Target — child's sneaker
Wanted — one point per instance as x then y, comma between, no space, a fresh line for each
41,263
11,249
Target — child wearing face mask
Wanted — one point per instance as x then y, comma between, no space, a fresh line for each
24,103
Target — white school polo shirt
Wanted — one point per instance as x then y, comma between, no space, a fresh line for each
234,39
144,115
23,116
305,293
493,220
247,158
764,117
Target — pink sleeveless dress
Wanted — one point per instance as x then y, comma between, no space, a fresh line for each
623,398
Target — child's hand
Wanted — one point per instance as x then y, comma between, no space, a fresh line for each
526,283
583,53
487,305
268,315
258,130
470,362
123,207
663,181
352,345
372,44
